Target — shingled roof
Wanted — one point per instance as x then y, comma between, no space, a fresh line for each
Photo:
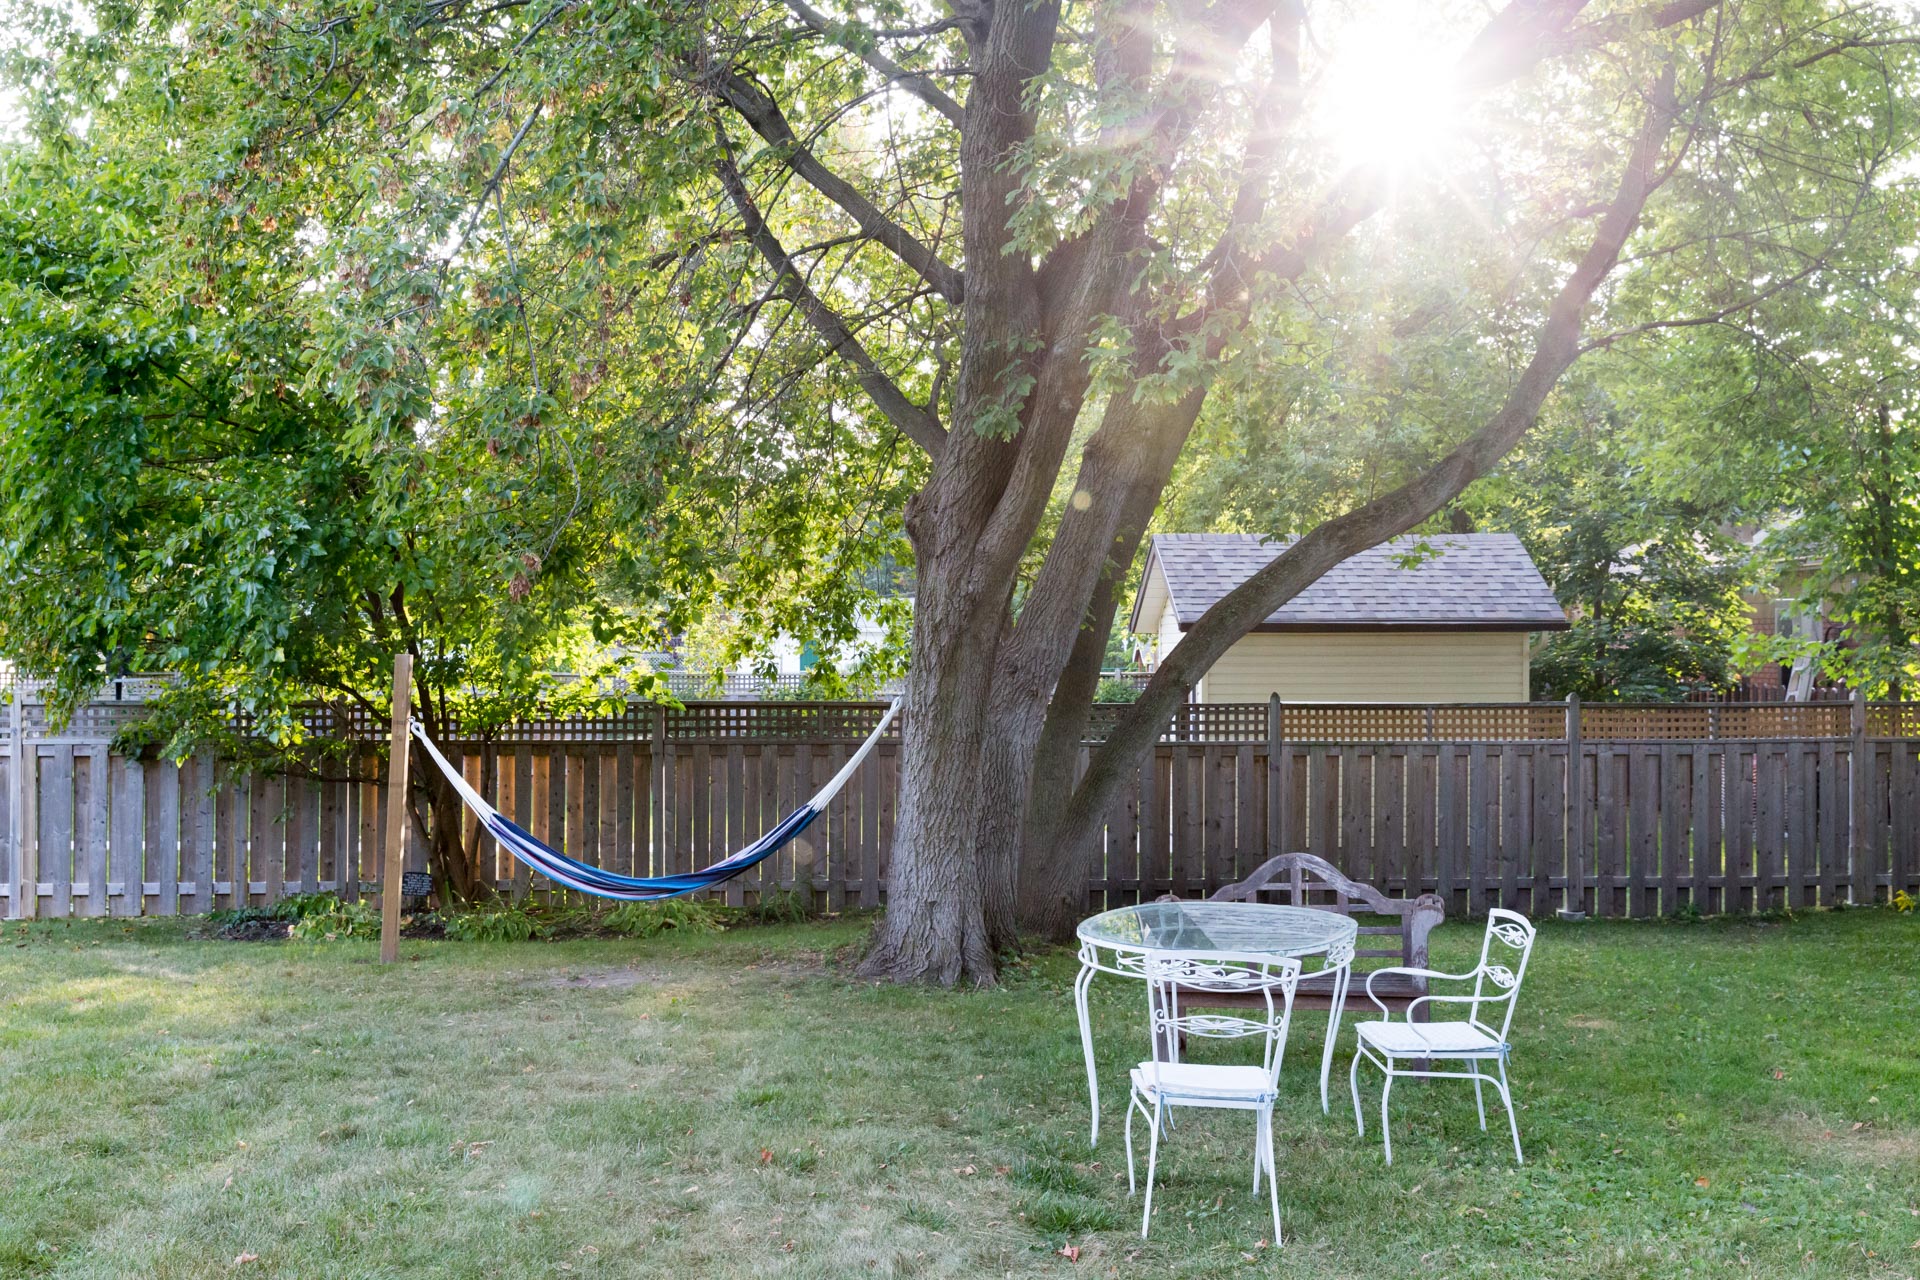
1478,581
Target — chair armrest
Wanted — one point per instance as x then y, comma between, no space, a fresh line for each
1433,999
1416,972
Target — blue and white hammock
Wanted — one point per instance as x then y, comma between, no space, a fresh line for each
571,873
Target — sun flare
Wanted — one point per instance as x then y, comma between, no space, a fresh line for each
1386,97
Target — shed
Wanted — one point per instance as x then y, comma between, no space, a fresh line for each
1443,618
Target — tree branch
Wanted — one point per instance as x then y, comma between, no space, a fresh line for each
1302,563
917,83
919,425
764,116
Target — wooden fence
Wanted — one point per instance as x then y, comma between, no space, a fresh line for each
1718,808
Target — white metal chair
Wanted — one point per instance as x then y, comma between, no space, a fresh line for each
1164,1081
1496,982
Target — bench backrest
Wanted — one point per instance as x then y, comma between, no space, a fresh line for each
1303,880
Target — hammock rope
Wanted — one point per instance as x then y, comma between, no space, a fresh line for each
573,874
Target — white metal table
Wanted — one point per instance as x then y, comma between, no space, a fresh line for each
1119,941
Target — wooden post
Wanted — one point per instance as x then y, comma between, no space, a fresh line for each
26,891
663,779
1276,780
396,808
1862,858
1575,896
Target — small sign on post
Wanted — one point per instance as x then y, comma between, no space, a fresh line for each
395,883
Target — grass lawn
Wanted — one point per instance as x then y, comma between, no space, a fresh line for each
1720,1099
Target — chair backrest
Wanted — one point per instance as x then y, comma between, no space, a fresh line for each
1303,880
1504,951
1169,974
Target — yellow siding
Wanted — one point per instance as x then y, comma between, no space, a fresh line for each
1372,666
1169,631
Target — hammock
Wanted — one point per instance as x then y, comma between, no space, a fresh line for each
571,873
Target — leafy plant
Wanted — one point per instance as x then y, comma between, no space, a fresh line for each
1114,689
650,919
327,921
495,922
780,906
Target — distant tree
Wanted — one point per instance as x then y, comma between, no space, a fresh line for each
185,487
1648,573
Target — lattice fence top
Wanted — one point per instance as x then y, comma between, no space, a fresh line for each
1385,722
1222,722
1716,720
777,721
734,721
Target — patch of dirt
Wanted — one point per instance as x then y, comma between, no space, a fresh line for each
1593,1024
1856,1140
424,927
255,931
601,979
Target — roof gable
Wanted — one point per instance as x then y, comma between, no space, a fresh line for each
1484,581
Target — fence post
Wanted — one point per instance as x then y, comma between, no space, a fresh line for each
1574,897
1276,780
26,892
398,756
662,779
1862,864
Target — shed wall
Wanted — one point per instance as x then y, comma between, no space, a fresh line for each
1372,666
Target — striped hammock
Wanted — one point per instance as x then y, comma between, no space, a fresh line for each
571,873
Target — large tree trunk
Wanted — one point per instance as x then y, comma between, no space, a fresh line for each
935,929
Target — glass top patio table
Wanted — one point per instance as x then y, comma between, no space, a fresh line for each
1266,928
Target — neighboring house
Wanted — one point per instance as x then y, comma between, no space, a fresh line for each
1454,627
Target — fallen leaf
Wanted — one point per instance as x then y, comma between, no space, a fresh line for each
245,1258
1070,1252
766,1157
1778,1074
1702,1182
1858,1125
966,1171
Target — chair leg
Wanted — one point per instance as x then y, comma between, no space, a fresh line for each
1386,1132
1133,1103
1153,1161
1479,1104
1513,1121
1259,1125
1273,1176
1353,1083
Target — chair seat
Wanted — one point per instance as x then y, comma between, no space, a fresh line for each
1203,1082
1429,1039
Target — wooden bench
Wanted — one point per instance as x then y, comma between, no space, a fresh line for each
1303,880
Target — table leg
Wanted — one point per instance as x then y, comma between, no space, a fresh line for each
1080,985
1333,1031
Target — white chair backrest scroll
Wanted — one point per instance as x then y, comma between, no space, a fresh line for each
1273,978
1504,952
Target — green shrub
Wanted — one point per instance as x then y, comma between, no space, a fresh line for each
1114,689
496,922
780,906
650,919
335,919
